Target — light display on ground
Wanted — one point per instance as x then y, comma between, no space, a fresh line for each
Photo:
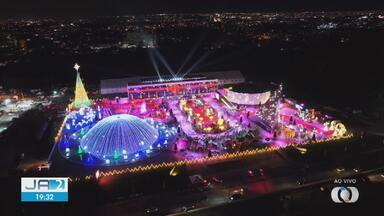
113,140
144,108
119,135
191,127
197,161
202,116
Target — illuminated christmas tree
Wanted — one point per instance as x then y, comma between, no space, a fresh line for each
81,97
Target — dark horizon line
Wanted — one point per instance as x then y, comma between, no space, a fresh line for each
265,11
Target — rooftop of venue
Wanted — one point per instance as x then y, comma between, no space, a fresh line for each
119,85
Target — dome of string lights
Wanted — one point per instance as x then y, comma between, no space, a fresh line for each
119,135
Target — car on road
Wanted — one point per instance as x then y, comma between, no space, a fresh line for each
256,172
203,188
188,208
201,183
235,197
216,179
152,211
301,180
236,194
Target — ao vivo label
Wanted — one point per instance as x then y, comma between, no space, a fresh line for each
44,189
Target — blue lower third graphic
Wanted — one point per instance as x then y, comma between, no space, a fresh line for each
44,189
44,196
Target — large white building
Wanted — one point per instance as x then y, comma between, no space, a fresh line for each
120,87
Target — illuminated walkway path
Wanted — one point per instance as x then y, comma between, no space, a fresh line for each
221,110
233,117
185,125
287,112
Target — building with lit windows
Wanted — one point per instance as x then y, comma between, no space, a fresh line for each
168,86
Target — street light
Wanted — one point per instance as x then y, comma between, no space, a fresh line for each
173,172
301,150
97,174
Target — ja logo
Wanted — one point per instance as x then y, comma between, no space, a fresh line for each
48,184
44,189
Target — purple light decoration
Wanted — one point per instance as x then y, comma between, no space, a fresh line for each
143,108
119,133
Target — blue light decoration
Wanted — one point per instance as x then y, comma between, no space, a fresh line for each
114,140
119,134
83,117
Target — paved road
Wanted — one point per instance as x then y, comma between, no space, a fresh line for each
281,172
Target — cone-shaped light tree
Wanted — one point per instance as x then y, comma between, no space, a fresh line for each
81,97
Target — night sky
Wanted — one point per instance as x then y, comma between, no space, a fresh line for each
70,8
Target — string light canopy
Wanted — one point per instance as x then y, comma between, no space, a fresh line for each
119,135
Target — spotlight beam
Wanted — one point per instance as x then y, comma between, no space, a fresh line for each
165,63
190,54
193,67
154,63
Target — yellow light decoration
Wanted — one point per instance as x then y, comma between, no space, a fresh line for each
81,97
339,130
208,129
195,161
